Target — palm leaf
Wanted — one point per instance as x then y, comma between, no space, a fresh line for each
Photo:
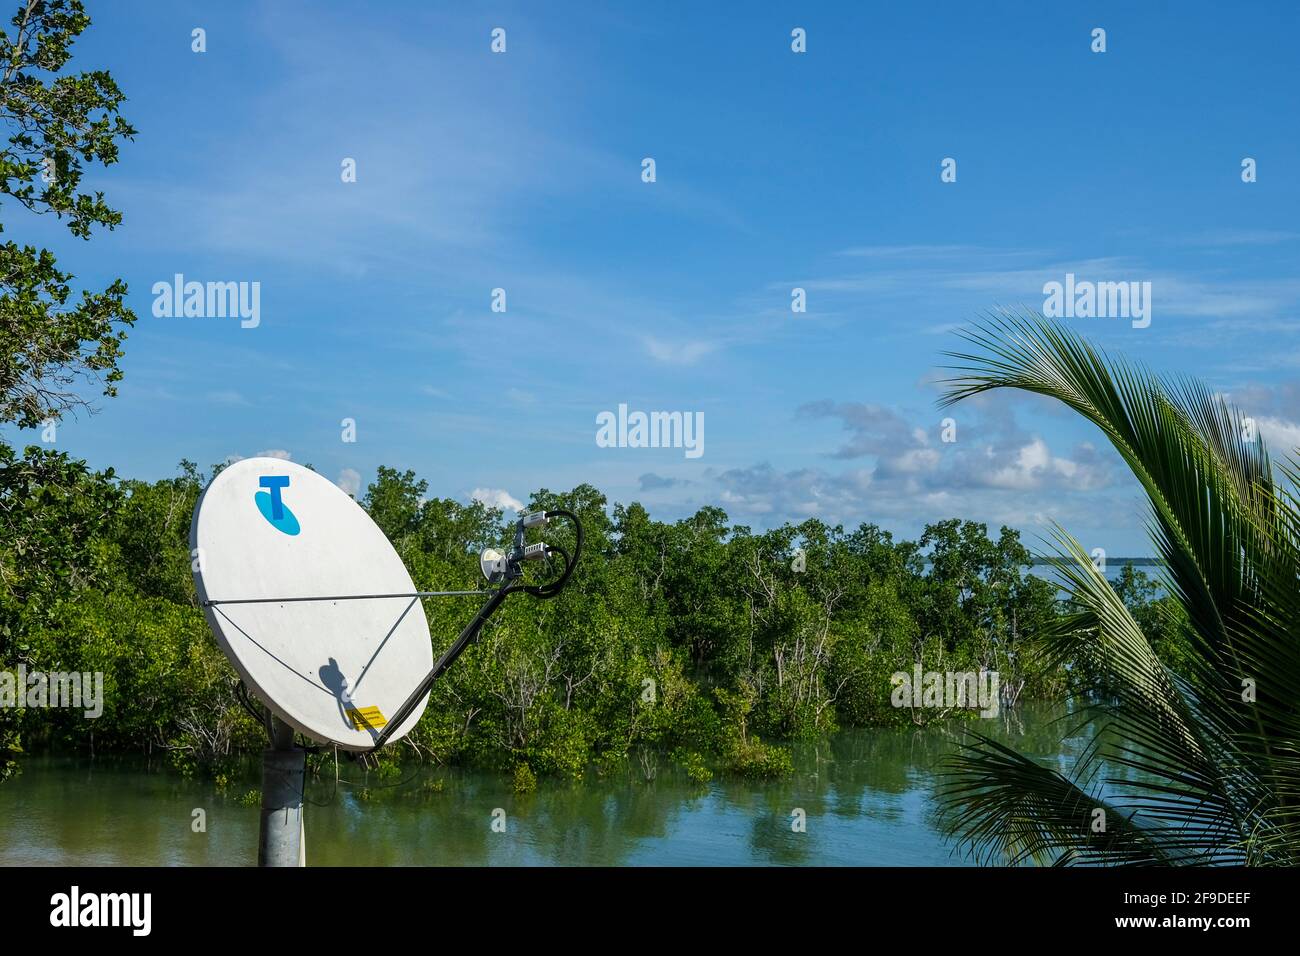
1212,772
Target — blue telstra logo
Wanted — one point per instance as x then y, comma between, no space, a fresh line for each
273,509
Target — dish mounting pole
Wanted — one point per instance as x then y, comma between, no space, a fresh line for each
284,766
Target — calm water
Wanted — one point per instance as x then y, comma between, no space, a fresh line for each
868,796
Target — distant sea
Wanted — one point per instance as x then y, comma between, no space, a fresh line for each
1114,567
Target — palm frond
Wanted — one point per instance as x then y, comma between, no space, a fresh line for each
1211,770
1003,807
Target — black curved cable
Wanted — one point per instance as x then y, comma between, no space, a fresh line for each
550,590
471,632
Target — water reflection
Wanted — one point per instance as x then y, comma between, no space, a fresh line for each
867,796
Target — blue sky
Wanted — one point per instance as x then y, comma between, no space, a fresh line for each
774,170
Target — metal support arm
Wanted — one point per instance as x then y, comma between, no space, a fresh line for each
467,637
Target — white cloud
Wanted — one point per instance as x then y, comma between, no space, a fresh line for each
1032,466
1281,436
497,498
269,453
350,481
997,471
805,492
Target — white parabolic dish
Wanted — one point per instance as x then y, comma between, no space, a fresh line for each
335,670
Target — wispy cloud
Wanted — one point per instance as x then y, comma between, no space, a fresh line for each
1217,238
652,482
227,397
678,353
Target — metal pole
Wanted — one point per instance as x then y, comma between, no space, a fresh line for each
283,769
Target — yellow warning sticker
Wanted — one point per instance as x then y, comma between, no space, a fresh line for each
366,718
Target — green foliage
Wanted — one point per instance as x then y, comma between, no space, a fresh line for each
52,511
753,758
150,535
525,779
696,766
167,687
49,341
57,122
692,638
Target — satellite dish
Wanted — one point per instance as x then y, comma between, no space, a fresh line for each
310,602
493,564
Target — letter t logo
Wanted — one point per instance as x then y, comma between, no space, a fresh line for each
273,484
